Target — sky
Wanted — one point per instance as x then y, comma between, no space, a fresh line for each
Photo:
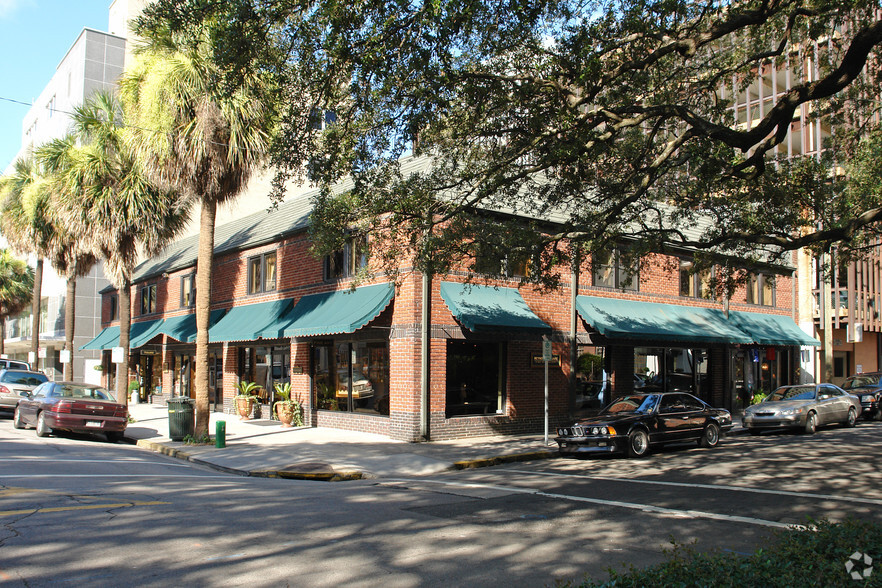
34,37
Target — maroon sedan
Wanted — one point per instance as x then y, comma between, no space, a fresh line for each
68,406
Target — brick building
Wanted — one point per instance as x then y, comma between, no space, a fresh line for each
354,357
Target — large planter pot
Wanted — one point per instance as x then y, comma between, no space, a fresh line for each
243,407
285,413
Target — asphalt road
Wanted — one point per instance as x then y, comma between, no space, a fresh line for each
76,511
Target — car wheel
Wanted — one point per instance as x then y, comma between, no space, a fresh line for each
17,422
638,443
710,437
851,420
878,415
42,429
113,436
811,423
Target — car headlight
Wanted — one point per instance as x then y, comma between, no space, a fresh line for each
791,411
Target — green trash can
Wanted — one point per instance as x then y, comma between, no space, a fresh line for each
181,417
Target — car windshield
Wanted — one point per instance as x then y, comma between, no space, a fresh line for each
23,379
642,403
73,391
792,393
860,382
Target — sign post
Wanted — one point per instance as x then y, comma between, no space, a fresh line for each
546,357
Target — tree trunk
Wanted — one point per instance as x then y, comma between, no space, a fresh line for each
203,311
2,335
70,306
35,313
125,326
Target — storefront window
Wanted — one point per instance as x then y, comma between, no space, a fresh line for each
182,375
266,367
665,369
475,378
352,376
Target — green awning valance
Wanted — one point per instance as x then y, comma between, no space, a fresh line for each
183,328
771,329
630,319
485,308
343,311
251,322
106,339
142,332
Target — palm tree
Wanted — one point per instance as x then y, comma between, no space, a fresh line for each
201,138
102,191
25,221
16,289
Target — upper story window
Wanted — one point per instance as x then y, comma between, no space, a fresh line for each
262,273
493,261
616,269
346,262
114,307
188,290
761,289
148,299
51,106
694,283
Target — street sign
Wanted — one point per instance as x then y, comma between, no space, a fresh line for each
64,356
546,350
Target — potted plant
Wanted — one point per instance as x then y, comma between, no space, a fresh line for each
245,399
287,410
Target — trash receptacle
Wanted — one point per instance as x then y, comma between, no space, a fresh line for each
181,417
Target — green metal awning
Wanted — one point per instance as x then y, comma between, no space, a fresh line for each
106,339
343,311
630,319
771,329
251,322
485,308
183,328
142,332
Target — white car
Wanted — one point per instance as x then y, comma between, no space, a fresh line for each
17,384
804,407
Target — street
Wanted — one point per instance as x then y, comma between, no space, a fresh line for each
78,511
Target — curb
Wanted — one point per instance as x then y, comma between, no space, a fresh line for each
484,462
184,456
312,476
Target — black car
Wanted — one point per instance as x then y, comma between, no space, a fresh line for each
632,424
867,387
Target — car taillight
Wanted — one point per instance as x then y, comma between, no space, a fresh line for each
121,413
4,390
63,406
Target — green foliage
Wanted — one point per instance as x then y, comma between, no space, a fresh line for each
611,120
133,386
589,363
197,440
246,389
814,555
759,396
16,284
283,391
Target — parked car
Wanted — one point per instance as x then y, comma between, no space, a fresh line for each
633,424
69,406
14,364
867,387
804,407
16,384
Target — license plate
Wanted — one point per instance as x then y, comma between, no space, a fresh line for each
93,424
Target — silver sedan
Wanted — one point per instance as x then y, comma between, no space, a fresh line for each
804,407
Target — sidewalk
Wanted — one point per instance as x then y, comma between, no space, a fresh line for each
262,447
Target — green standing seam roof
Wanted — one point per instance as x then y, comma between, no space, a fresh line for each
106,339
630,319
342,311
251,322
486,308
771,329
183,328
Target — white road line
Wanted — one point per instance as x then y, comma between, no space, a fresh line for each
856,499
226,477
126,461
679,513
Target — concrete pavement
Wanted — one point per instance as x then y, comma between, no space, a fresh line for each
262,447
